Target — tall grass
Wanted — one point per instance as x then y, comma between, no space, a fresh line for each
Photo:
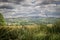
31,32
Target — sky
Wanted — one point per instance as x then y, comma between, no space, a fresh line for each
28,8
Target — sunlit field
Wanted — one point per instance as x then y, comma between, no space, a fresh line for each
33,31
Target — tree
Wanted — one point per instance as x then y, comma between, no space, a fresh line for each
2,21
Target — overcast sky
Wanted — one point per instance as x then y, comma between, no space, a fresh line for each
27,8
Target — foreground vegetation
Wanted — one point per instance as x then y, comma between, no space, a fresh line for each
31,32
37,31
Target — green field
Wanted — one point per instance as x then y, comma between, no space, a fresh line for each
31,29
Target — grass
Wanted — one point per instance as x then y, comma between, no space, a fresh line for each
30,32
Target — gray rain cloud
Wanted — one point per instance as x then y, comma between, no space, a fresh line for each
6,7
23,8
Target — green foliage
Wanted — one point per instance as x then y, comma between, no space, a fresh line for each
55,28
41,32
2,21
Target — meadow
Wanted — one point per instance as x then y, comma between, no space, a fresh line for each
31,31
29,28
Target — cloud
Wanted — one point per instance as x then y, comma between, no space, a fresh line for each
6,7
3,0
46,2
19,8
13,1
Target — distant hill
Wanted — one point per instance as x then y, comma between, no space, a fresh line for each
30,20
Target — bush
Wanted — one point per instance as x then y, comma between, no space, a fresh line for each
2,21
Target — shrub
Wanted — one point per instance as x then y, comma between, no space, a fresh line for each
2,21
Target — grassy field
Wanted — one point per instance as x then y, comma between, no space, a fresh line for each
43,29
31,32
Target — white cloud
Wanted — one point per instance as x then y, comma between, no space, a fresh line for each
57,0
32,7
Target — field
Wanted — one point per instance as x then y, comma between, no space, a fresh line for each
43,29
